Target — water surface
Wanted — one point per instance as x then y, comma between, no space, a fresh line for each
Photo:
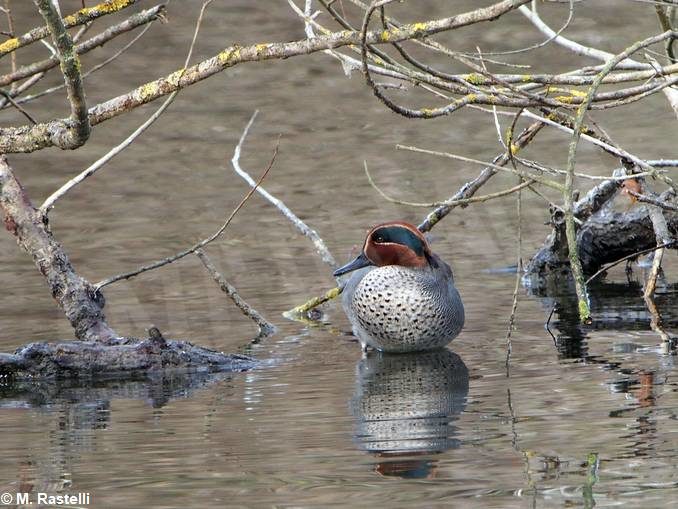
585,417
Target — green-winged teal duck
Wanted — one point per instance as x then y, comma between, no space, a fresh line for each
401,296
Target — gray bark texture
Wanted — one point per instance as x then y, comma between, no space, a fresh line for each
605,235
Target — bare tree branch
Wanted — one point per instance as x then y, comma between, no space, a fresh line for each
79,128
170,259
286,211
31,138
130,23
99,163
79,300
81,17
265,328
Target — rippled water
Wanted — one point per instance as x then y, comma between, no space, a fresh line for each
581,418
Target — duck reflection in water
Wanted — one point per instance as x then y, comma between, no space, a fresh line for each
404,407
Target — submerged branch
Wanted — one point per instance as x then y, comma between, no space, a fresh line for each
265,328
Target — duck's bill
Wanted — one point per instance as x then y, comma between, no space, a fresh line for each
360,262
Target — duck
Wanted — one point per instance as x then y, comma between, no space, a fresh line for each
400,296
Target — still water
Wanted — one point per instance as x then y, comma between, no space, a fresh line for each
581,418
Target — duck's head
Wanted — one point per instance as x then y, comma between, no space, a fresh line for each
393,243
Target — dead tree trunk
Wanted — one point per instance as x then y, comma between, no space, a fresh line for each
101,350
81,303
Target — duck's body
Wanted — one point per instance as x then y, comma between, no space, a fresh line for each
401,297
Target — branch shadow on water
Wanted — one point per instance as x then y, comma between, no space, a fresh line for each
405,406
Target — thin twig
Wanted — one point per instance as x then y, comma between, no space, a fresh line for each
195,247
461,201
519,270
526,175
652,201
8,97
99,163
607,267
470,188
304,308
662,236
11,34
286,211
265,328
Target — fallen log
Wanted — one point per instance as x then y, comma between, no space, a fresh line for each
100,351
604,235
121,356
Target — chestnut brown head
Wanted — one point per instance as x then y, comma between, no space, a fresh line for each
393,243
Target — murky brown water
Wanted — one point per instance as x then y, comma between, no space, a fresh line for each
589,420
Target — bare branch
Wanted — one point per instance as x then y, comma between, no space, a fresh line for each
79,300
78,18
94,69
470,188
170,259
286,211
575,264
265,328
313,303
527,175
461,201
31,138
79,128
99,163
130,23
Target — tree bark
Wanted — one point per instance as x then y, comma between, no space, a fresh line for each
604,236
122,356
75,295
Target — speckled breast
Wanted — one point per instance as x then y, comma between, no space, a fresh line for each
400,309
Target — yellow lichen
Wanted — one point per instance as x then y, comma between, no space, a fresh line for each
526,78
571,91
227,55
514,148
385,35
475,78
419,27
103,8
9,45
260,48
176,76
427,112
148,91
564,99
584,312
